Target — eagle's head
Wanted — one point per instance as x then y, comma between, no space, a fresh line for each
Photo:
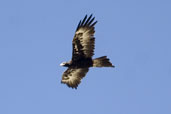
65,64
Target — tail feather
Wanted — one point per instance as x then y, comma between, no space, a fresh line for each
102,62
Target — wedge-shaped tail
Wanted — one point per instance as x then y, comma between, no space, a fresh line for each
102,62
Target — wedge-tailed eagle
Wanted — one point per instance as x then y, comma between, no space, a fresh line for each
83,50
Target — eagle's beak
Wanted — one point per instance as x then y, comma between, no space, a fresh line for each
62,64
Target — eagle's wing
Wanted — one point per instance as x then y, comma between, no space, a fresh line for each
83,42
72,76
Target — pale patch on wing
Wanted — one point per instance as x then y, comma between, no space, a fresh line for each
87,40
72,76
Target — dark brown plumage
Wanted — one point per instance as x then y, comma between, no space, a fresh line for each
83,50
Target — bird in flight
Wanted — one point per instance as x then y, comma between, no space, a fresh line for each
82,52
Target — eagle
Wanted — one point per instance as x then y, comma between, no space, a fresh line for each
83,45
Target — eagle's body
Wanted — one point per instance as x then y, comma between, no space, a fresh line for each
82,63
83,50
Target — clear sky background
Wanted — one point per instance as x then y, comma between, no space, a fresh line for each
36,36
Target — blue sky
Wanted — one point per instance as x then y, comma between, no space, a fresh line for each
36,36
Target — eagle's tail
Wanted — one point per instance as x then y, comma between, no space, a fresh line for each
102,62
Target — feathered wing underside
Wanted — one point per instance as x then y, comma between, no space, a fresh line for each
72,76
83,42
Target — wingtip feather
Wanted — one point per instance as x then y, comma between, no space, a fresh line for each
86,22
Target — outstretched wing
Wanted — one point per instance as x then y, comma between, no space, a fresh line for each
72,76
83,42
